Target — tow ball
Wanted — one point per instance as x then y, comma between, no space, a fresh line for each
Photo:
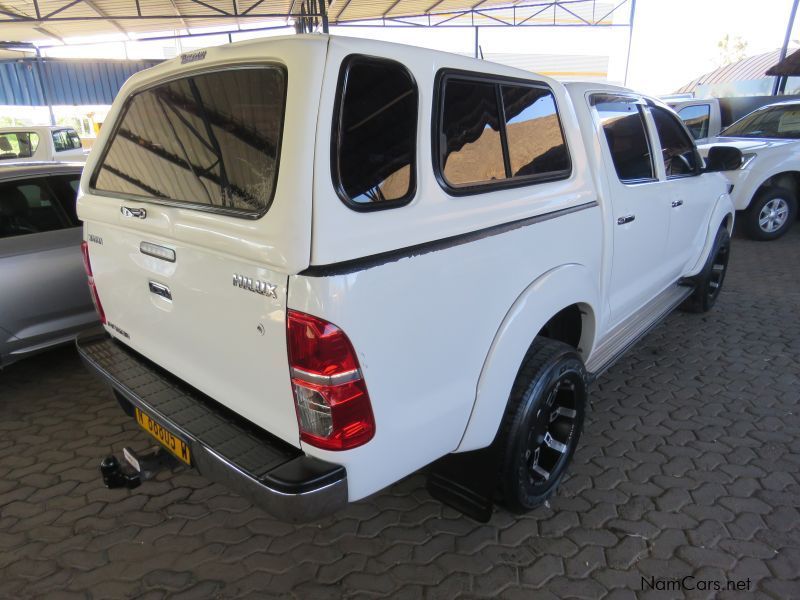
130,471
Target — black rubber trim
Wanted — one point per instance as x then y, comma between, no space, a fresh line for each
303,474
375,260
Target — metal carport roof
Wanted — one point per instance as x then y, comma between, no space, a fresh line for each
42,20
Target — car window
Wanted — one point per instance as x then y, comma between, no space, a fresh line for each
697,119
677,149
375,133
29,206
65,188
470,125
771,122
66,139
625,132
18,144
209,141
536,144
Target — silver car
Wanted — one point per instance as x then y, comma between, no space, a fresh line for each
44,296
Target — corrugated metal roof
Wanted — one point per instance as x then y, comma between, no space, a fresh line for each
65,82
754,67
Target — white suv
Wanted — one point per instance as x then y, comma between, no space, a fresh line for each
323,263
40,143
766,186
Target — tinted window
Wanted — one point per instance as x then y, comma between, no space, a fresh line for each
624,128
677,150
535,141
65,189
29,206
66,139
774,122
211,140
696,119
18,145
472,151
375,133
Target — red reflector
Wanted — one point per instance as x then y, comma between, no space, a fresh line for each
87,266
331,399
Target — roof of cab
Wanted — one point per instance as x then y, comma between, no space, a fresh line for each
16,170
34,128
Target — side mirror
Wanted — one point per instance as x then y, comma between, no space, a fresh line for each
723,158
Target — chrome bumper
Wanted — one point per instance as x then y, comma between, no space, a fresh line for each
224,448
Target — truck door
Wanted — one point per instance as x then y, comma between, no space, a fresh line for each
640,221
689,196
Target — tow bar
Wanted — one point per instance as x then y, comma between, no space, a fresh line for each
134,468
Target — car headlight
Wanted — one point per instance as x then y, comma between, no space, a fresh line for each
747,159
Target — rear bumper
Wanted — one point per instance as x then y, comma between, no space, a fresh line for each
224,448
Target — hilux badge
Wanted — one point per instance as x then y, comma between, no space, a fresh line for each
254,285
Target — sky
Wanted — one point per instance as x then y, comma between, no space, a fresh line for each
673,42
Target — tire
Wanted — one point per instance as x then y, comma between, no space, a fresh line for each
535,447
709,281
770,214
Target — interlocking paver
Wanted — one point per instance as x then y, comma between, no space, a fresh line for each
689,465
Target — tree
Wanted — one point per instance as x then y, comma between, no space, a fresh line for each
731,49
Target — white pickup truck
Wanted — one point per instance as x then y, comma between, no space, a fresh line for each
766,186
40,143
324,263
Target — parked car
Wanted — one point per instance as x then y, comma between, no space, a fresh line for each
45,299
313,286
706,117
767,184
40,143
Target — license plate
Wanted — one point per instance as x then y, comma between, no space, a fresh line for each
165,437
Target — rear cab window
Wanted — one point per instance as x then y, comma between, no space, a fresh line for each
374,137
696,118
208,141
18,144
66,139
623,124
494,133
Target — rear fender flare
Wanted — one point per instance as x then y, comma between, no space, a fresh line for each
550,293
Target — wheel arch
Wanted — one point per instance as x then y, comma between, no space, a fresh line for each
565,292
788,179
722,215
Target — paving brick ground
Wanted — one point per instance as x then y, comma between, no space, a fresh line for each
689,465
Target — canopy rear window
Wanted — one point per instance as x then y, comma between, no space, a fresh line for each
209,141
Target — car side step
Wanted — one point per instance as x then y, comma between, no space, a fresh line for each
627,333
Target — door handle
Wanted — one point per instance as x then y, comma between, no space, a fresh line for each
139,213
677,203
626,219
159,289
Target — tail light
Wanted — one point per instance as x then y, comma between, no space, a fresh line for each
333,407
87,265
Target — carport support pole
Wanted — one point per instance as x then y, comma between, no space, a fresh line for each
780,82
630,40
477,47
41,79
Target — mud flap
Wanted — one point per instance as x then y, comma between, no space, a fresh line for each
466,481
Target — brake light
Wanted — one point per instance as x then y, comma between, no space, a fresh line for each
87,266
331,399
